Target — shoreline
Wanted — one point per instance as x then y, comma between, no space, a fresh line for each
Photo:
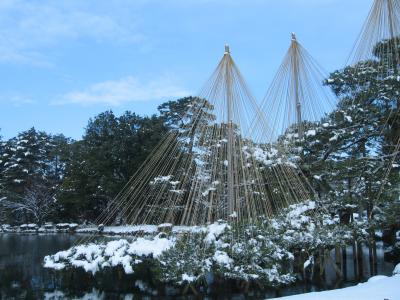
120,230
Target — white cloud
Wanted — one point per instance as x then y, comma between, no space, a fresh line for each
127,89
29,28
17,100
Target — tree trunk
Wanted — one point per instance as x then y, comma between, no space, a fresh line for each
320,270
360,261
344,262
372,257
355,262
338,261
375,257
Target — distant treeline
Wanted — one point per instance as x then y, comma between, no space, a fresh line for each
46,177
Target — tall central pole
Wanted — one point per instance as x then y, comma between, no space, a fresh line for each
295,58
231,140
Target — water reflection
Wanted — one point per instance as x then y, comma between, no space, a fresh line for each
23,277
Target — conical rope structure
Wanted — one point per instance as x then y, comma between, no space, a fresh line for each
378,43
297,93
375,60
215,165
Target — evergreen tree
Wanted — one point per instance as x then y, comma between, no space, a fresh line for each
346,155
29,161
111,151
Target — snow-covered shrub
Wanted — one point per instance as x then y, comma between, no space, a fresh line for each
307,227
95,257
263,252
188,261
252,256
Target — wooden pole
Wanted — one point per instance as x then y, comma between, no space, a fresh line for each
296,85
229,103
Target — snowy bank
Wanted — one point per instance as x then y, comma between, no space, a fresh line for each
120,230
377,288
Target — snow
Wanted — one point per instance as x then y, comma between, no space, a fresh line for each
377,288
348,119
298,209
334,138
63,225
233,215
214,231
207,191
154,247
179,192
396,270
93,257
162,179
222,258
188,278
109,230
126,229
308,262
311,132
165,225
28,227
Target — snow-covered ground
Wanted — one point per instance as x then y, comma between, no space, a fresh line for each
377,288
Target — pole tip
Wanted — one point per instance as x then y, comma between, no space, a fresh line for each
227,51
294,37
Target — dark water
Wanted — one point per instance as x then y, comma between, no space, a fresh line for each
23,277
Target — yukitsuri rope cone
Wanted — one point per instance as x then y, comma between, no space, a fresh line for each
376,57
215,166
297,93
207,199
377,45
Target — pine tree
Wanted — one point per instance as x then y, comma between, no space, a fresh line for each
32,170
111,151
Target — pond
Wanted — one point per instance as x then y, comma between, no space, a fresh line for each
23,277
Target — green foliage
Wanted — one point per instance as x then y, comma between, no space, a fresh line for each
253,257
345,155
32,167
111,151
188,261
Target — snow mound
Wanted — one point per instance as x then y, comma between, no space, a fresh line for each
377,288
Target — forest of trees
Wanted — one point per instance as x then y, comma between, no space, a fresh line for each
346,156
46,177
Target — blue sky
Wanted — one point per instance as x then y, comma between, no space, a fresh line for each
62,62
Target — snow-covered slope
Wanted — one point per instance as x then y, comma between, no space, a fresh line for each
377,288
